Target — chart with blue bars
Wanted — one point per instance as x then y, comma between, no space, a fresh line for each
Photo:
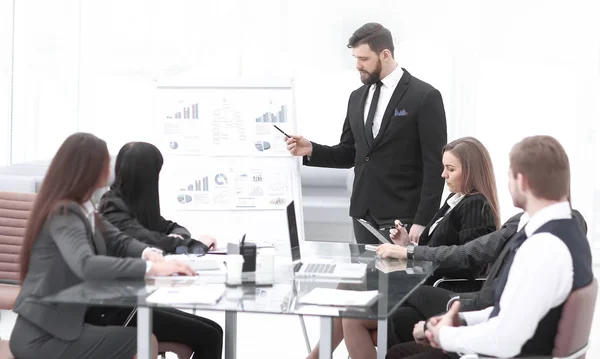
270,117
188,113
200,185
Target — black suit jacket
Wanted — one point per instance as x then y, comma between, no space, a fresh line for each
115,210
399,175
480,251
470,219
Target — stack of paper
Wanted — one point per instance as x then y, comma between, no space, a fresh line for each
339,297
200,263
196,294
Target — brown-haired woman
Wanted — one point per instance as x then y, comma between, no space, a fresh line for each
469,212
65,244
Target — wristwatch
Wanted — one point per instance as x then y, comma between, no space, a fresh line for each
410,251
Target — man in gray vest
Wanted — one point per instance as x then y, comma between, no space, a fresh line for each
526,310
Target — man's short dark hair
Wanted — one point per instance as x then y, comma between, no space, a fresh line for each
375,35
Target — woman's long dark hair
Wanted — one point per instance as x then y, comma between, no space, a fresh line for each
73,175
137,171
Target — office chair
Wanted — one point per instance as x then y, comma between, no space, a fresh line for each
574,327
453,284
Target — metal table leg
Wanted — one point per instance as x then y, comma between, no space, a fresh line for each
305,333
382,311
230,335
382,329
326,342
144,333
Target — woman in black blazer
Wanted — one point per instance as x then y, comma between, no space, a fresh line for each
132,205
469,212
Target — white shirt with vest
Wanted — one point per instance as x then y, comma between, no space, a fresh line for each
540,278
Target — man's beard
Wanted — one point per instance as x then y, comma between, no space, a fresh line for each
371,77
519,201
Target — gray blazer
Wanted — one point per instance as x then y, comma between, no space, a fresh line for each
67,253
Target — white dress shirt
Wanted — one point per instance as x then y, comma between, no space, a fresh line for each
540,278
387,90
89,209
452,202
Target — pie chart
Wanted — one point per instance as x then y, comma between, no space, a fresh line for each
184,198
221,179
173,145
262,145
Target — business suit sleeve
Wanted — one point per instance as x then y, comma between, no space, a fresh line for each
431,124
119,244
170,227
116,212
341,155
69,233
476,219
478,252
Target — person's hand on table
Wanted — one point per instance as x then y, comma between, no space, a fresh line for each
208,241
389,250
171,267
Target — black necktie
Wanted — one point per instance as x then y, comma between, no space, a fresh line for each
371,115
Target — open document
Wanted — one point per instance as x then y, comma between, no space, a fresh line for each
194,294
339,297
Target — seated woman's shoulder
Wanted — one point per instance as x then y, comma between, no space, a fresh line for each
112,201
66,207
475,197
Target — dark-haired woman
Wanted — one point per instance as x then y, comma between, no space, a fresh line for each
132,206
132,203
67,243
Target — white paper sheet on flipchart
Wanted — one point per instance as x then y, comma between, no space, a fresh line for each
339,297
197,294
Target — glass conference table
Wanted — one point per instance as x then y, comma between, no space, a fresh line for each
393,280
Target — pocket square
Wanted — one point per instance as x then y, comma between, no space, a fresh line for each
400,113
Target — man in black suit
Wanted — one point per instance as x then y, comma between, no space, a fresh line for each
393,135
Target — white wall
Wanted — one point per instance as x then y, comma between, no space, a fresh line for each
505,70
6,32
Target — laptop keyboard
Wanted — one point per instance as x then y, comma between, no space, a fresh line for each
319,268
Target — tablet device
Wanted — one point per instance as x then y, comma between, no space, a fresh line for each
374,231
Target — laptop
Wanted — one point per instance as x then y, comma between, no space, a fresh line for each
318,268
374,231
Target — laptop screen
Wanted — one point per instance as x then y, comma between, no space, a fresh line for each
293,231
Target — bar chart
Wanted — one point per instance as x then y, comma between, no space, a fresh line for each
270,117
198,185
189,112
